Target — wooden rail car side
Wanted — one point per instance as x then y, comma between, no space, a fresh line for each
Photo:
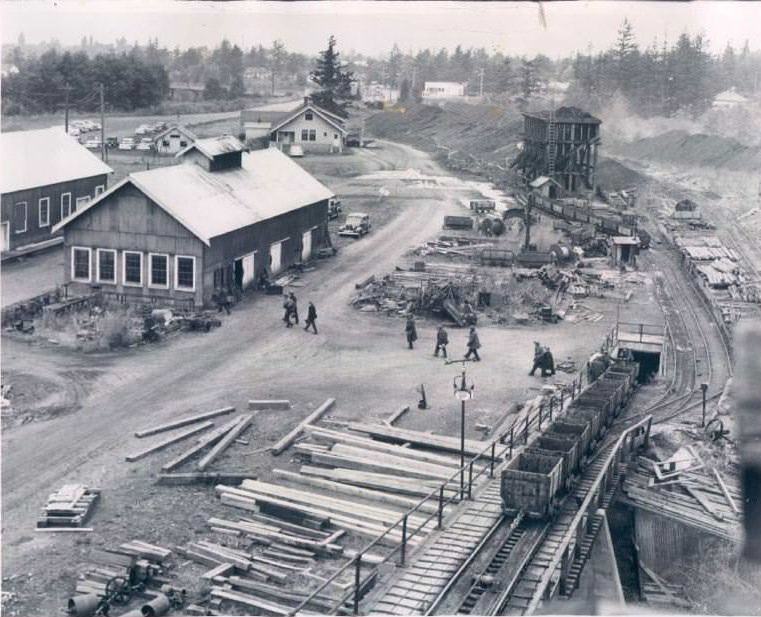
531,483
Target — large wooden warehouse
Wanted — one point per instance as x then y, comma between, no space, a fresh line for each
181,234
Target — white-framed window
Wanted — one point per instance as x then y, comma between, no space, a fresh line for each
158,270
81,201
43,212
308,115
185,272
101,188
65,205
106,265
312,135
81,257
304,134
19,217
132,268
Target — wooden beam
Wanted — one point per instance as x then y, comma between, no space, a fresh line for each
286,441
725,491
203,443
701,499
232,435
267,608
184,421
168,442
397,414
437,442
199,477
275,404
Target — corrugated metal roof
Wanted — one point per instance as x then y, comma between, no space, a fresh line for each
210,204
42,157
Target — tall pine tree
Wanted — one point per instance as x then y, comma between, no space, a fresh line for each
333,79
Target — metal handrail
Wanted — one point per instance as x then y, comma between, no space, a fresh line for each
577,519
438,493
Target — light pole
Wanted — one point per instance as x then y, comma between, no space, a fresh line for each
463,393
704,387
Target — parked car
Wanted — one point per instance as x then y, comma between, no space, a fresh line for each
74,131
127,143
296,150
143,129
334,208
92,144
146,143
112,142
357,225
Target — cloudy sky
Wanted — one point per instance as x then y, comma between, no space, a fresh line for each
372,27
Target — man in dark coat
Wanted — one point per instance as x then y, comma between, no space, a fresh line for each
442,340
294,308
473,345
410,331
287,308
311,318
538,357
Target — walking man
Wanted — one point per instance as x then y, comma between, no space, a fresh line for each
473,345
287,308
442,340
311,317
410,331
294,308
538,357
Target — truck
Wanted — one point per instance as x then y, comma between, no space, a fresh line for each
357,225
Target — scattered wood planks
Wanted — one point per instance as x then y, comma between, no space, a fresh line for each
184,421
168,442
68,507
242,424
288,439
200,477
276,404
396,415
435,442
203,442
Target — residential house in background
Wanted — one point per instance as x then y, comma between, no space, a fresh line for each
173,139
45,175
443,90
311,127
256,122
375,92
729,99
182,234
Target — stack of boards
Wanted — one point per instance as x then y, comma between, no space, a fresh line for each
70,506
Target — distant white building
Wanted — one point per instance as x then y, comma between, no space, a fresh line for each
729,99
173,139
375,92
443,90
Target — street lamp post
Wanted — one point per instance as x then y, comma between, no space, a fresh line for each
462,392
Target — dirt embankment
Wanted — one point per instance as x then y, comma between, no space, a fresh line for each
699,149
478,139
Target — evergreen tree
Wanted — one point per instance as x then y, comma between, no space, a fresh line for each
405,91
213,90
278,56
333,79
394,66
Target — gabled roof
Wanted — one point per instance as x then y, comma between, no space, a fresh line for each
329,117
541,181
178,127
730,96
214,146
210,204
42,157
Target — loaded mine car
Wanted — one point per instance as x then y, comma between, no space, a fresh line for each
537,480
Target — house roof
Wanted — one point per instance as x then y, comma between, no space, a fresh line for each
42,157
329,117
178,127
730,96
210,204
285,107
214,146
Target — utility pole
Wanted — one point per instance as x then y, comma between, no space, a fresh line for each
102,122
481,85
66,89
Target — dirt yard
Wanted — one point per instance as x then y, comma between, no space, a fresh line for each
360,359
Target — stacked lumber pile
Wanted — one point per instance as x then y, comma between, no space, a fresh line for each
68,507
212,441
107,564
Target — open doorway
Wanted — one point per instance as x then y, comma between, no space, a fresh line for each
649,365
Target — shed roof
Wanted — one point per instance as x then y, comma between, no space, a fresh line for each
179,128
210,204
329,117
214,146
43,157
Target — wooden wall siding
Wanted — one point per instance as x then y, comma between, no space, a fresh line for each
35,233
130,221
663,541
322,143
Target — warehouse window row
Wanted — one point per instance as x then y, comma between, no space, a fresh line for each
138,269
21,209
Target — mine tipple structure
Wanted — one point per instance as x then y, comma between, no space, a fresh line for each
561,144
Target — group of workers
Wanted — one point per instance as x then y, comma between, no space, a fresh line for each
442,340
290,306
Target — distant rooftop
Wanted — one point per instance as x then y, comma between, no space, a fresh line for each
565,114
215,146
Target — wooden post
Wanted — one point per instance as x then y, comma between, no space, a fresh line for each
525,431
357,582
404,539
491,465
441,506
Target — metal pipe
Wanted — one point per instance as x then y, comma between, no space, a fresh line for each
462,448
160,605
83,605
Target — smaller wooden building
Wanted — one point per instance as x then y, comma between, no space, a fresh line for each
313,128
45,175
172,140
185,233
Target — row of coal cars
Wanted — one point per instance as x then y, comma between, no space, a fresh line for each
536,480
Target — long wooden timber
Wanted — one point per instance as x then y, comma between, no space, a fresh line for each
400,435
184,421
168,442
288,439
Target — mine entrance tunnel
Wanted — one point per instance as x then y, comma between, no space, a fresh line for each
643,343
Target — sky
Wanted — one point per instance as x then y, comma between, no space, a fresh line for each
371,28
